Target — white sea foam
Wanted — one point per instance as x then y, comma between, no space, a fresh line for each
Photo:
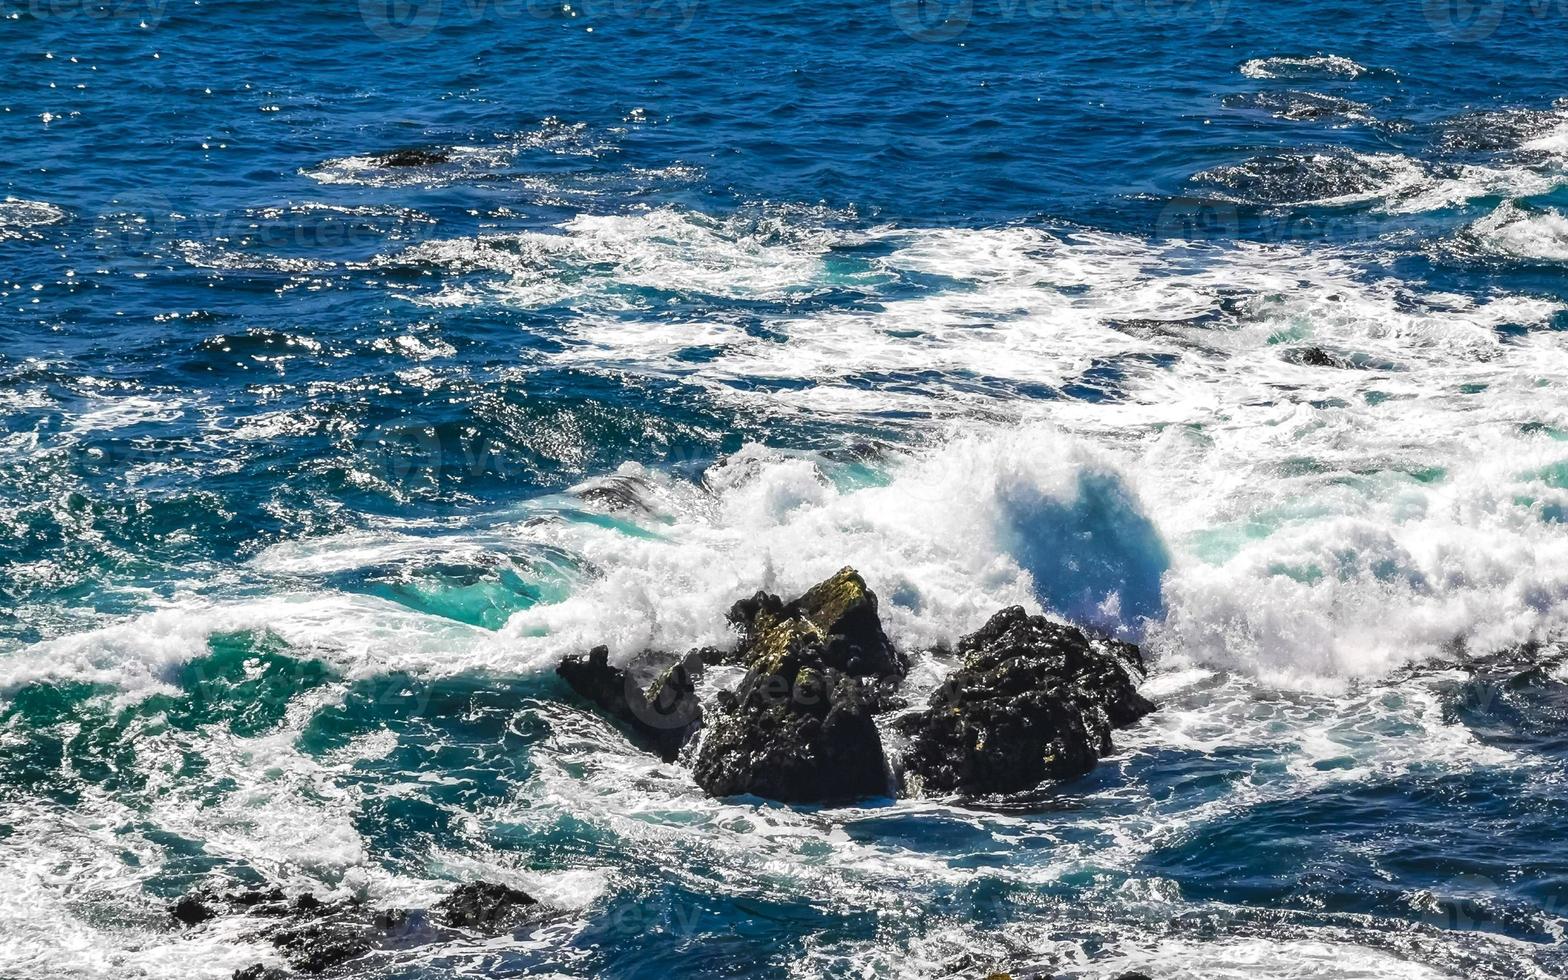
72,905
119,413
1272,958
358,635
1314,66
1322,522
609,256
1419,192
1515,233
19,217
1299,522
463,162
1552,139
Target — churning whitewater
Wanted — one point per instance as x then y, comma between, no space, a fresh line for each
358,369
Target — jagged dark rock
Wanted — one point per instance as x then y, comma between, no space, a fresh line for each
192,910
800,728
745,613
802,734
1318,357
319,935
269,899
316,935
315,947
1033,700
413,158
1312,357
662,718
843,612
489,907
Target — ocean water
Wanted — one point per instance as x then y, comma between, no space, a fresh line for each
1239,329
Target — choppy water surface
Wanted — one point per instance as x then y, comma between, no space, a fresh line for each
1236,328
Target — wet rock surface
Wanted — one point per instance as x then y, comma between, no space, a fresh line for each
661,718
841,610
801,726
315,936
413,157
1033,700
795,732
489,907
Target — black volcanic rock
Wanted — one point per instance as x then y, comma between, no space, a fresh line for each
800,728
1033,700
804,734
192,910
662,718
488,907
412,158
842,610
317,936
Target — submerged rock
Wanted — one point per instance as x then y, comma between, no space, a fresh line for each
1033,700
620,492
489,907
316,935
1313,357
800,728
662,718
192,910
413,158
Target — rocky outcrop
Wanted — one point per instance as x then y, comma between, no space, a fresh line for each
662,718
315,936
488,907
795,732
413,157
1032,700
192,910
800,728
843,613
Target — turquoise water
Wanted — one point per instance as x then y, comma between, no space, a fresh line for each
1236,329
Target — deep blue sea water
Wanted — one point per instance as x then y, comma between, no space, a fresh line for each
1237,328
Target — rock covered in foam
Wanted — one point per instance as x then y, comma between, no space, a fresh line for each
488,907
316,936
1033,700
